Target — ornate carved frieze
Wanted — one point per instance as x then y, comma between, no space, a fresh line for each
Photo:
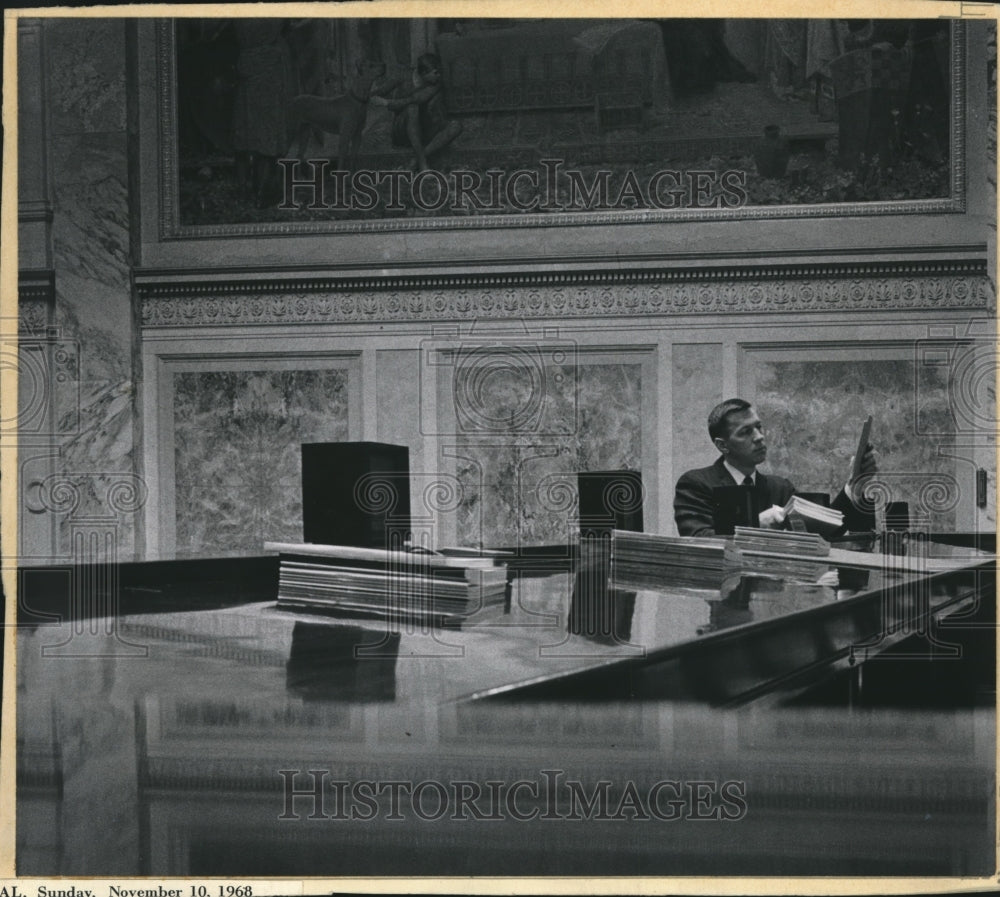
798,289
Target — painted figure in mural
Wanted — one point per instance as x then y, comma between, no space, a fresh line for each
206,86
920,89
421,120
277,59
261,127
698,57
344,115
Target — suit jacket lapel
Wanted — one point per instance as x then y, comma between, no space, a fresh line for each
725,477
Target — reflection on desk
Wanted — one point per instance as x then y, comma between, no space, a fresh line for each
192,741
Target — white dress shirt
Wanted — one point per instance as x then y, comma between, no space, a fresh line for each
738,475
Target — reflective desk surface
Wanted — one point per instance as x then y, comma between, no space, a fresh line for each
189,742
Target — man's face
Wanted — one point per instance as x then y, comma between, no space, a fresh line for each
744,447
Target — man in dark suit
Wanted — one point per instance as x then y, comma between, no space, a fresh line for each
738,434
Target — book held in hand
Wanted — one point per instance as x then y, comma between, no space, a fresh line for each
805,515
866,432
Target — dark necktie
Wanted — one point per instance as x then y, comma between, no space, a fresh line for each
748,481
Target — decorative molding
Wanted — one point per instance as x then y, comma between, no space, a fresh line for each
166,138
630,272
170,227
319,300
36,296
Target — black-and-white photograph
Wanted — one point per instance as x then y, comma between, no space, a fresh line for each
499,447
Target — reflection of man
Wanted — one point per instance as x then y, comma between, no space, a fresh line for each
738,434
421,121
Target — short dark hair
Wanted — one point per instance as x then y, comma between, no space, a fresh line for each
718,425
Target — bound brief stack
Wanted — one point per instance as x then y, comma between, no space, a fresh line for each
647,559
392,584
781,553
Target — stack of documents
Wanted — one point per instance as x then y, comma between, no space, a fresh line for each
780,553
647,559
780,541
393,584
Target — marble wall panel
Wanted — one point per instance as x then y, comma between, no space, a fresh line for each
813,412
968,369
237,461
397,387
94,392
519,480
695,388
86,61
